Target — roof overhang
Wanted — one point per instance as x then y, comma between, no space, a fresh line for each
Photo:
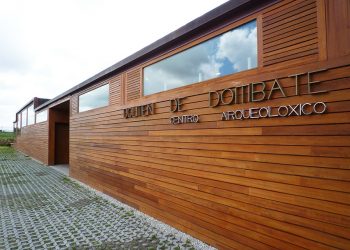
231,10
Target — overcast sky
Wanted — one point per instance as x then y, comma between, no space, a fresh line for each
47,47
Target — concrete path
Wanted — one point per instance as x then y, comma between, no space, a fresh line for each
64,169
41,208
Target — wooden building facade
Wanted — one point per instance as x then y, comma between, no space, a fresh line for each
258,158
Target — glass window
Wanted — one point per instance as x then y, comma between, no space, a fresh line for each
41,116
19,120
24,118
31,115
228,53
94,99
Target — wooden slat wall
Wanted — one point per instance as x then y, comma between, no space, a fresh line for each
133,84
290,31
74,102
33,141
338,16
115,90
274,183
268,183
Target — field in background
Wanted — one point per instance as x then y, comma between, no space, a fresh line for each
6,138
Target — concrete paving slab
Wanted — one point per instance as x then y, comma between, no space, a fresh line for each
63,168
41,208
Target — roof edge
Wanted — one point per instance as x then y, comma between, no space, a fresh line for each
34,100
184,30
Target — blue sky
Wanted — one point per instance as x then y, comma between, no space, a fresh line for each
230,52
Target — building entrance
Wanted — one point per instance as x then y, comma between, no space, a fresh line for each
59,134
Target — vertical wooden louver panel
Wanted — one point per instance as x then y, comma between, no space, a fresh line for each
290,31
115,90
133,84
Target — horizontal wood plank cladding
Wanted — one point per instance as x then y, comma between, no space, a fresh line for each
115,90
33,141
338,29
133,84
290,31
274,183
74,102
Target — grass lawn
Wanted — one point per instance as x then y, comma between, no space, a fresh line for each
6,138
7,135
6,150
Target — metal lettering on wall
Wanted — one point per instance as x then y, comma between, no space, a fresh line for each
176,106
143,110
300,109
258,92
184,119
252,92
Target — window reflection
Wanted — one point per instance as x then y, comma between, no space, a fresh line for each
19,119
31,114
94,99
24,118
41,116
228,53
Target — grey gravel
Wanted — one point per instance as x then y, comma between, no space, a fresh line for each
41,208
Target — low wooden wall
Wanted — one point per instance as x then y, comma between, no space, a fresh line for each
33,141
274,182
255,183
278,182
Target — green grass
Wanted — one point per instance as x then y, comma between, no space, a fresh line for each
6,153
70,182
6,138
5,150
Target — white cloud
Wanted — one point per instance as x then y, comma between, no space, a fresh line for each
211,69
237,46
227,53
47,47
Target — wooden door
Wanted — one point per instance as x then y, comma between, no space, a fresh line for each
61,143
